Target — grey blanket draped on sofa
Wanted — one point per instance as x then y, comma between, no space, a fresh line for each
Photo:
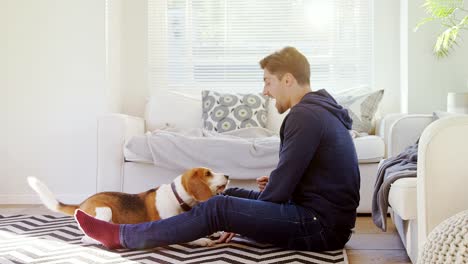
394,168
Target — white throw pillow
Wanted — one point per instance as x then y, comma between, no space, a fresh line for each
362,109
169,109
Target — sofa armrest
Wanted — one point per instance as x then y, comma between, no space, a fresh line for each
382,128
113,131
402,130
383,124
442,173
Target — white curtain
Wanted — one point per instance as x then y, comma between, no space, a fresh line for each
217,44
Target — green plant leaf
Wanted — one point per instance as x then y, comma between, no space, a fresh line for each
450,14
445,41
464,21
442,8
422,22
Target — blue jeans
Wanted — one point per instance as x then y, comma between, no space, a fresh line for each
285,225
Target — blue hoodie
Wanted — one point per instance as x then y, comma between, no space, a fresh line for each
318,166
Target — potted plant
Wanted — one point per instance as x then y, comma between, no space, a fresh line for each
452,16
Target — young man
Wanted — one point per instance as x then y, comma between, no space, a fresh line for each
307,203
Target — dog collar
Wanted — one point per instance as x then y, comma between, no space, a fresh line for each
182,204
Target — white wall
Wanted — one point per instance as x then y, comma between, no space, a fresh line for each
386,53
56,86
428,79
113,43
134,56
3,94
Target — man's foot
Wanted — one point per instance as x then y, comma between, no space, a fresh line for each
104,232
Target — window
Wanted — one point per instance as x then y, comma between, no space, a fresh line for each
217,44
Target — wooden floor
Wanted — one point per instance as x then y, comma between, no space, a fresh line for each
367,245
370,245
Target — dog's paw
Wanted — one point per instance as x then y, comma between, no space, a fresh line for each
203,242
89,241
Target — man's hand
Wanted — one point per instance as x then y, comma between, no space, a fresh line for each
225,237
261,182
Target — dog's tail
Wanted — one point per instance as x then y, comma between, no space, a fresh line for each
48,198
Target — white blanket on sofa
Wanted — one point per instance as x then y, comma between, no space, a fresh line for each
246,153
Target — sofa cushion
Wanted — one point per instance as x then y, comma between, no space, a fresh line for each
174,110
362,108
224,112
402,198
159,112
369,149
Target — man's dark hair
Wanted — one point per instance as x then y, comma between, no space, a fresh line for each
288,60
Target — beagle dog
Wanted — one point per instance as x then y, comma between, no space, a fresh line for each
194,186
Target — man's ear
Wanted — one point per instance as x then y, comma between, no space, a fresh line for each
288,79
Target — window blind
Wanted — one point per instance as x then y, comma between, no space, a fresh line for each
217,44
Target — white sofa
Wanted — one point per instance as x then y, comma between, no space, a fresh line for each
115,174
419,204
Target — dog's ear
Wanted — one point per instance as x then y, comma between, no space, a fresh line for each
197,186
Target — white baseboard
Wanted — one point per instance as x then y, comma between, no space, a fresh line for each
34,199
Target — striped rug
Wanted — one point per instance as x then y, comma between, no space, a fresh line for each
50,239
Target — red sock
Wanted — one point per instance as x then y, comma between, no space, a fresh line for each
104,232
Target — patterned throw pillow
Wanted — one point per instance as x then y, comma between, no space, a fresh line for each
361,109
224,112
